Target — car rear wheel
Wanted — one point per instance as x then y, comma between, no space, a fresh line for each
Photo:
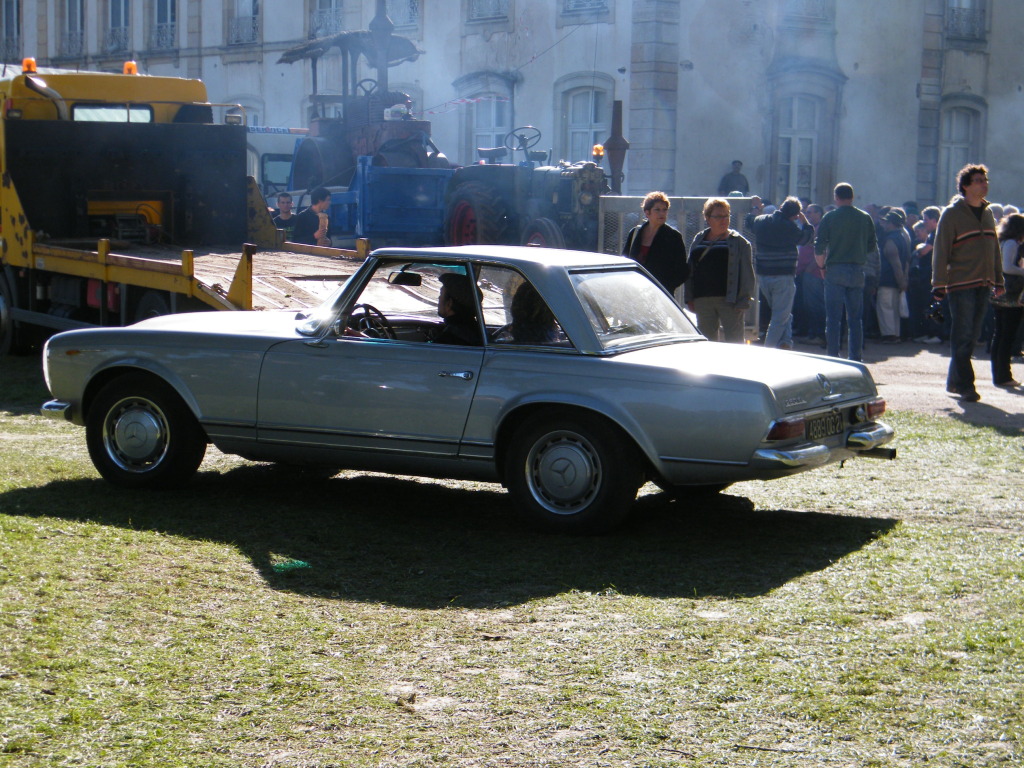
572,474
476,216
141,434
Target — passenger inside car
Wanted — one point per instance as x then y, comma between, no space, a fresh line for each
532,319
456,306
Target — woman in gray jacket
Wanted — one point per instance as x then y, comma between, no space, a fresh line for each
721,282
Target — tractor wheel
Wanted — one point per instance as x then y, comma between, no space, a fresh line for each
476,216
544,233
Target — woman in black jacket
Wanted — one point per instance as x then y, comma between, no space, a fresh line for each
657,246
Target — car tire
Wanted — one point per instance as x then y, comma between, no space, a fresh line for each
476,216
572,474
140,434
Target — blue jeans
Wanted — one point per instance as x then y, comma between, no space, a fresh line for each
813,293
844,290
967,310
779,291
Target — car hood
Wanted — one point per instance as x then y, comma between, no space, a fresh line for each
257,323
798,381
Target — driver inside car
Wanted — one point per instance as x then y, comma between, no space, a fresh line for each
456,307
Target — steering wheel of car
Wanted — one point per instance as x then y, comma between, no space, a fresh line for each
373,322
525,137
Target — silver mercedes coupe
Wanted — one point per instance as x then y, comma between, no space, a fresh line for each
571,378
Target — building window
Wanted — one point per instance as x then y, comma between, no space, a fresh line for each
10,34
404,13
488,10
116,38
587,121
965,19
326,19
164,33
489,121
959,143
244,26
72,39
797,147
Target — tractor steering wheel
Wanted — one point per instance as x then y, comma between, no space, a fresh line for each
367,86
525,137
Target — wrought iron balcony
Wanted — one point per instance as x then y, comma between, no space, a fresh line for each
10,49
243,30
72,43
579,6
404,13
115,40
965,23
325,22
163,36
480,10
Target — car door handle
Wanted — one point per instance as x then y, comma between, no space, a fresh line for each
464,375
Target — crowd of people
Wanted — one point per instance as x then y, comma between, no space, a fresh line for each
834,275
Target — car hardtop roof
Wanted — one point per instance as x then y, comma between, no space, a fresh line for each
512,255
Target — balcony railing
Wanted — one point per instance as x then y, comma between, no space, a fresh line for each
163,36
965,23
243,30
115,40
72,43
579,6
10,49
325,22
404,13
484,10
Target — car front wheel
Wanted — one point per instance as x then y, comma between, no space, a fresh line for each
141,434
572,474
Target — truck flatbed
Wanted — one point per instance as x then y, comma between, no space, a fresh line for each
281,279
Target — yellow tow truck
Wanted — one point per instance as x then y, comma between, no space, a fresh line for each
121,198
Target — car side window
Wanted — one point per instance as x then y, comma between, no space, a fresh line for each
515,312
414,301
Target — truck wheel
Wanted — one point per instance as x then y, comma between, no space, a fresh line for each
151,304
10,333
543,232
141,435
572,474
476,216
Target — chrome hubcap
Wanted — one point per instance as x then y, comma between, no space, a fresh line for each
135,434
564,473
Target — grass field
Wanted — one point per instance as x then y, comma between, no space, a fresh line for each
865,615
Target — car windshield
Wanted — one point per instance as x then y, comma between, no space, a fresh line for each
627,309
313,322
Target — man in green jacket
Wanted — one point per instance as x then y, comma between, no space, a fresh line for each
966,266
846,238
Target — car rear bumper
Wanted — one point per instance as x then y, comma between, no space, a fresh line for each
864,441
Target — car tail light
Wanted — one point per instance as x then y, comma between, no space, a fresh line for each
869,411
787,429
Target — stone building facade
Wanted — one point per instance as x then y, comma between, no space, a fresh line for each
892,97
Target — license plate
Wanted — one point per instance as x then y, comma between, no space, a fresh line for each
824,426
